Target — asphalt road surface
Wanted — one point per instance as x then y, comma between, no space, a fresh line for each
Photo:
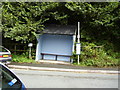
52,79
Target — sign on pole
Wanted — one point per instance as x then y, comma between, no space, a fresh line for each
30,45
78,48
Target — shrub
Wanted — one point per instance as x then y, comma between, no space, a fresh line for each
22,59
91,56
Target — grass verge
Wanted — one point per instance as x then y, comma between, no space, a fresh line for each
22,59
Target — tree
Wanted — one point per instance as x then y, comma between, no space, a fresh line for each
99,21
21,20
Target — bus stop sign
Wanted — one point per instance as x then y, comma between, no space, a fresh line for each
78,48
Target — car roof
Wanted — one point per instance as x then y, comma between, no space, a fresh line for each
2,64
5,48
1,46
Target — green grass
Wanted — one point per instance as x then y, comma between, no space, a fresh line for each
22,59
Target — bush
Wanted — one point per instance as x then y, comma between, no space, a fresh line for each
22,59
91,56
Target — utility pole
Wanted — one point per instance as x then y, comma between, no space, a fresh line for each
78,32
78,45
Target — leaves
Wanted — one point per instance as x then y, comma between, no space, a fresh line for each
18,22
99,21
21,20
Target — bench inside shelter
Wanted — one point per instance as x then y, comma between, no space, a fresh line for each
56,55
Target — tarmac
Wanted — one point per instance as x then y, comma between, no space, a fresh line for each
62,67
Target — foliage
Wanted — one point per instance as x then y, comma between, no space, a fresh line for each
99,21
21,20
22,59
92,56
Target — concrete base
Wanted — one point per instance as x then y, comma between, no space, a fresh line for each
54,62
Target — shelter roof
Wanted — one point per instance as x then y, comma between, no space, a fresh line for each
59,29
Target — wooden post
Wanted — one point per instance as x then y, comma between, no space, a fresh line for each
15,49
30,50
30,53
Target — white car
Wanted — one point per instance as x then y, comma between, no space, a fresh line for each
5,55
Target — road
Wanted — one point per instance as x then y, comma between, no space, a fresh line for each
52,79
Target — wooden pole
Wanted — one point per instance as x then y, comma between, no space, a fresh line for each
30,53
15,49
